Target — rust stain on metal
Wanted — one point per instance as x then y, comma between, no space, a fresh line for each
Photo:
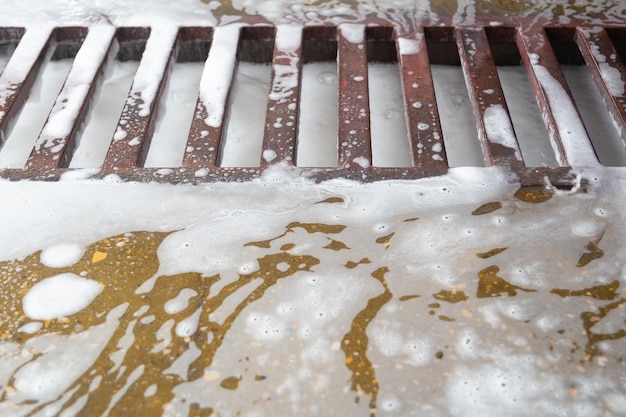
471,45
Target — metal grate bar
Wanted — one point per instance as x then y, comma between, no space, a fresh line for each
607,71
416,45
426,139
281,124
495,128
57,139
207,124
20,74
567,133
354,127
134,130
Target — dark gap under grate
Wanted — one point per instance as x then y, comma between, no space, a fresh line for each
481,52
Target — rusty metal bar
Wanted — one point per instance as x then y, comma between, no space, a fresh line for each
205,135
133,133
250,40
20,74
355,147
425,135
56,142
607,70
281,124
493,121
566,130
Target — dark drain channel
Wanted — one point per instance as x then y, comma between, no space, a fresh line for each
541,48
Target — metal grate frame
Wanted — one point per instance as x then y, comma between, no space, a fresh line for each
600,44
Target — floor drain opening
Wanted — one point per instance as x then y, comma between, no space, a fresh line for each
390,142
455,108
318,117
57,56
242,139
599,123
364,101
618,39
179,100
9,38
108,103
530,129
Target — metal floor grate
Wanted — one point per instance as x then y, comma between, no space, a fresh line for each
417,45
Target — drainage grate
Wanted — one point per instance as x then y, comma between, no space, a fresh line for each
542,47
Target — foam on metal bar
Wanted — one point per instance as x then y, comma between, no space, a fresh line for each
207,124
355,147
281,124
607,71
20,74
567,132
495,128
425,136
57,139
230,42
134,130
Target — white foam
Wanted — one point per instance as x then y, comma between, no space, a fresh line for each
218,73
189,325
294,331
409,46
499,128
180,302
60,296
269,155
362,161
288,38
30,328
613,79
54,361
61,255
587,228
75,89
571,129
610,74
354,33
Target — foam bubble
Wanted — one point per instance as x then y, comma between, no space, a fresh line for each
188,326
30,328
390,403
249,267
381,228
60,296
389,342
449,218
180,302
419,351
587,228
61,255
362,162
600,212
265,327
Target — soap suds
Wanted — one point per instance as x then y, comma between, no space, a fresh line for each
60,296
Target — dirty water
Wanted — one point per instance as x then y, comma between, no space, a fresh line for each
425,311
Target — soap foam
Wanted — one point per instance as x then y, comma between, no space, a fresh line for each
61,255
60,296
